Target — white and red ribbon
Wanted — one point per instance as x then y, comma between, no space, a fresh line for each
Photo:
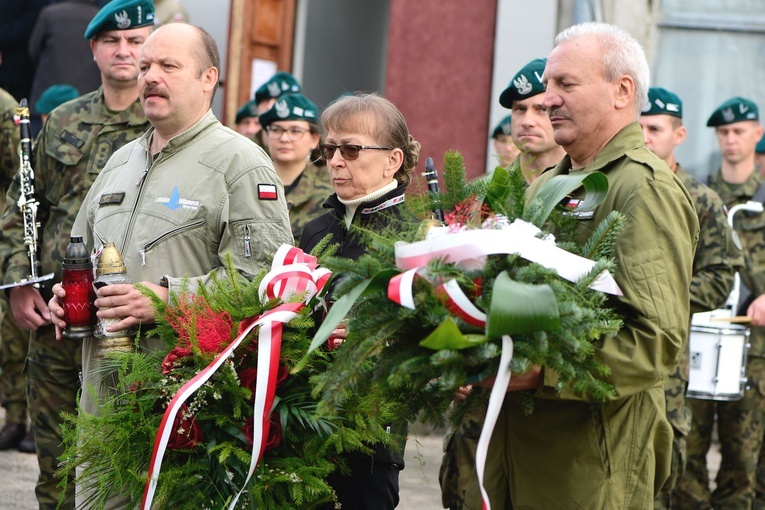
292,272
468,249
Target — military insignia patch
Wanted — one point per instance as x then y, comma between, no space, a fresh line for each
522,84
282,109
111,199
274,89
267,192
728,115
122,19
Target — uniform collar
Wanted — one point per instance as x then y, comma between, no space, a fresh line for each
98,114
179,141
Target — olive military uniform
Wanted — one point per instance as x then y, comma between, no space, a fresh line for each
739,423
715,263
13,340
305,197
74,145
574,453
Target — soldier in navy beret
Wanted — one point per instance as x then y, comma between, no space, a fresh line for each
734,110
121,15
53,96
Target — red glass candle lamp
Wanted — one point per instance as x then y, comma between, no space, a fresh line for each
77,280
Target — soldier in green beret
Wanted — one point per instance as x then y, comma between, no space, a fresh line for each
76,141
502,140
759,155
718,257
246,120
292,132
739,423
54,96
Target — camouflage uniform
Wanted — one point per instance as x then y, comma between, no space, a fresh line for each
306,196
458,460
74,145
715,263
14,341
739,423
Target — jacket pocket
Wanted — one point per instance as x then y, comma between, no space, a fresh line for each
164,237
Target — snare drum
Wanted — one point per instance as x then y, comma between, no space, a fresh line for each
718,361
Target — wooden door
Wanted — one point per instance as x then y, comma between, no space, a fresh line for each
260,30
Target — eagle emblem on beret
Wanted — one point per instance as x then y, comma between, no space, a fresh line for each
273,89
728,115
522,84
282,108
122,19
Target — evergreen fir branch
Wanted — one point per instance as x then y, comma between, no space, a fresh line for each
600,242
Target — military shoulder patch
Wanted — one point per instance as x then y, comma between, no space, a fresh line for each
111,199
267,192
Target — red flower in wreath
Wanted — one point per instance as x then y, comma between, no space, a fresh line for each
186,432
248,379
175,354
274,432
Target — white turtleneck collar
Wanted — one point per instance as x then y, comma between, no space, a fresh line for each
353,204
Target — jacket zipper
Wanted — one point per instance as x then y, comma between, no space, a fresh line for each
148,246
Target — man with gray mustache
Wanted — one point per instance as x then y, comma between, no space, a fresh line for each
573,451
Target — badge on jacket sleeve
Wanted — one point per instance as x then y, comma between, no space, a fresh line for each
267,192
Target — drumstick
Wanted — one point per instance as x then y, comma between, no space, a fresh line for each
739,319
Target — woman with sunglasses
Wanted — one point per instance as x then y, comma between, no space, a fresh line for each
291,134
370,158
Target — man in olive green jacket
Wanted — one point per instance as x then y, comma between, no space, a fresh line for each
76,141
572,452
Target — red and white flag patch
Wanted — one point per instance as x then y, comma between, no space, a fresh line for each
267,192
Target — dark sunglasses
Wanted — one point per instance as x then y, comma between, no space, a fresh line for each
348,151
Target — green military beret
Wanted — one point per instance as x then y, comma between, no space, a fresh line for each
662,102
527,83
733,110
250,109
290,107
760,148
121,15
279,84
503,128
54,96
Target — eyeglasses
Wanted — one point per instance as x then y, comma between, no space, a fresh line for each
293,133
348,151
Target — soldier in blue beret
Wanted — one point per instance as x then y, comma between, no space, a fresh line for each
740,424
54,96
718,257
74,145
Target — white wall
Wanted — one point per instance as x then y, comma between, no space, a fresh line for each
525,31
212,15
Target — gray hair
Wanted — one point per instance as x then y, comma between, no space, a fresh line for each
622,54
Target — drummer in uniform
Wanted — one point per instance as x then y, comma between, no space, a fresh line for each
739,423
718,257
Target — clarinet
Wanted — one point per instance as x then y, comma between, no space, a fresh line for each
431,176
28,203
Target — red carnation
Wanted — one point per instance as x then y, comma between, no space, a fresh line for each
282,374
175,354
186,432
